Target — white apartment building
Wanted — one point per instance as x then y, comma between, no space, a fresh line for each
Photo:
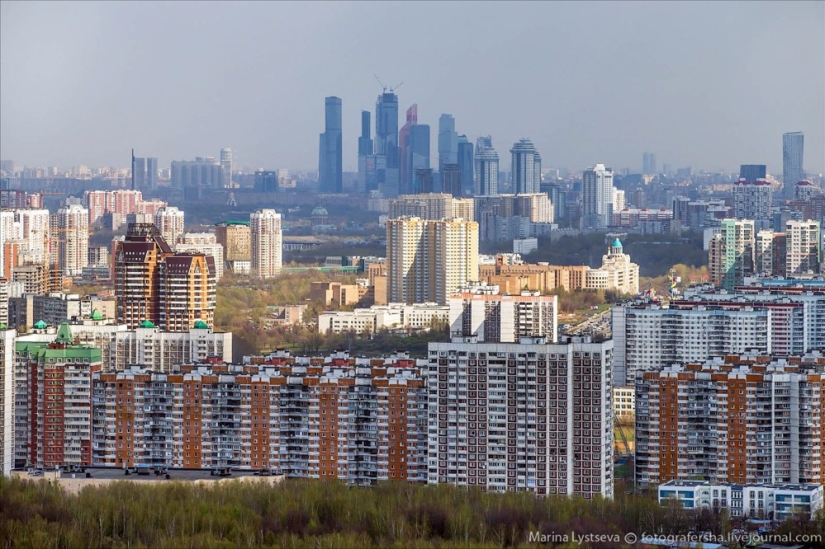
597,197
417,316
624,402
203,243
267,243
752,200
160,351
482,312
72,239
648,335
33,226
803,248
170,222
7,339
763,501
521,416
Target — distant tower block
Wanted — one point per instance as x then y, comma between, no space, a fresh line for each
230,200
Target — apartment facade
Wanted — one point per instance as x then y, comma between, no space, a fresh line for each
427,260
741,419
53,401
521,416
334,417
492,317
266,243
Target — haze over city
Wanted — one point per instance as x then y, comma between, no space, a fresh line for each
708,85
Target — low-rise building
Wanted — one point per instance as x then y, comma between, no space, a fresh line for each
764,501
418,316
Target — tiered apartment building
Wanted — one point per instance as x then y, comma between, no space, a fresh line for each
741,419
527,416
154,284
357,420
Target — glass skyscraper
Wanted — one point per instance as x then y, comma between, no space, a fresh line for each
447,141
386,143
465,164
366,155
526,180
486,160
792,173
419,148
330,156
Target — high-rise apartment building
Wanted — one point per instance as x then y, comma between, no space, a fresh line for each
523,416
526,167
753,172
731,253
202,172
206,244
53,411
434,206
741,419
793,145
491,317
597,197
236,239
7,354
447,141
486,167
155,285
170,223
72,239
266,243
752,200
226,168
804,248
370,425
427,260
330,164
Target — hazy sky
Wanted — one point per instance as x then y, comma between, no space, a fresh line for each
710,85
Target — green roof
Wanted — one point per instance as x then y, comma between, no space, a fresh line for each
3,326
64,334
96,315
40,325
147,324
617,243
201,325
232,222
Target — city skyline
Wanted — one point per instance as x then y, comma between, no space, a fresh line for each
265,103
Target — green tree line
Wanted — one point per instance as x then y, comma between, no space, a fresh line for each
319,514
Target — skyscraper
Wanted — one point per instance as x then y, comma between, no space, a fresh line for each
330,157
792,169
465,164
266,243
451,180
649,163
386,143
752,172
597,196
366,155
428,260
447,141
226,168
523,171
486,167
418,149
405,185
139,169
73,239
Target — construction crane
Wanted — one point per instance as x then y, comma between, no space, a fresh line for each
384,87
